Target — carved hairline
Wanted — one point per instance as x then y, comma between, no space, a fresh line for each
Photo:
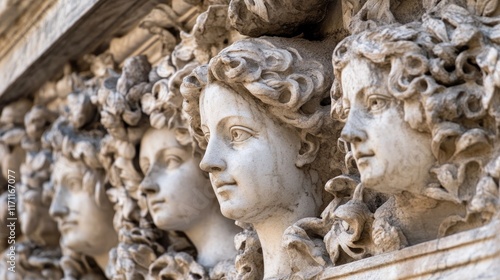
80,147
255,76
93,180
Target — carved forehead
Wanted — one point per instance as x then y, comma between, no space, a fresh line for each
360,74
64,168
157,139
239,94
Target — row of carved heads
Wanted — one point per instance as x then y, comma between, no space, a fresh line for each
260,157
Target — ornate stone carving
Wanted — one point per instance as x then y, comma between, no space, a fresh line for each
119,103
169,157
275,17
12,155
482,7
273,94
405,173
39,254
423,123
372,13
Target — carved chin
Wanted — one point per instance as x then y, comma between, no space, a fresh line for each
230,212
375,178
171,223
73,241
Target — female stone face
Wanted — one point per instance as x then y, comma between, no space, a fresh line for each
390,155
178,194
85,226
250,157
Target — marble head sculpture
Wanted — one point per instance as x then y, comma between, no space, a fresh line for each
257,109
80,205
179,194
421,113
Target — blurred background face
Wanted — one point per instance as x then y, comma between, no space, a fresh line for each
85,226
178,193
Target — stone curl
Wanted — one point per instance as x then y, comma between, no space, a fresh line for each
164,104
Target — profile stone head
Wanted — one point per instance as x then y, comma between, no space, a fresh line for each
419,106
178,192
257,108
80,204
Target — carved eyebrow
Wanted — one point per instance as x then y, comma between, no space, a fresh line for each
371,90
242,120
67,178
229,121
177,151
346,103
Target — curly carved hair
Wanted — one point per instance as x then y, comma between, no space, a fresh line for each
79,149
164,103
445,74
290,86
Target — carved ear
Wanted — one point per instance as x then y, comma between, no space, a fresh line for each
308,150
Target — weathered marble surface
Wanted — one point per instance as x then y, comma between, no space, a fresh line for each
189,147
474,254
62,31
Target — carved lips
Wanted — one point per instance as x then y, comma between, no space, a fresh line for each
363,157
221,187
66,225
155,204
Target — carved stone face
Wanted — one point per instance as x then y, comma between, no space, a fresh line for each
250,156
178,193
86,226
391,156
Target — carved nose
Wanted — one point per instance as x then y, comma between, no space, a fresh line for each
58,207
353,131
149,185
212,161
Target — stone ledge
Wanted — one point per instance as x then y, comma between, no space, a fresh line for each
474,254
66,30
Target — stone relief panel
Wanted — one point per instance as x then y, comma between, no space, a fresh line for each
237,157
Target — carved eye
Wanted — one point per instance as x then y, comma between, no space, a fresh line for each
376,103
74,183
240,134
172,162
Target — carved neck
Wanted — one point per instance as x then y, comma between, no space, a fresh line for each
213,238
270,232
102,261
